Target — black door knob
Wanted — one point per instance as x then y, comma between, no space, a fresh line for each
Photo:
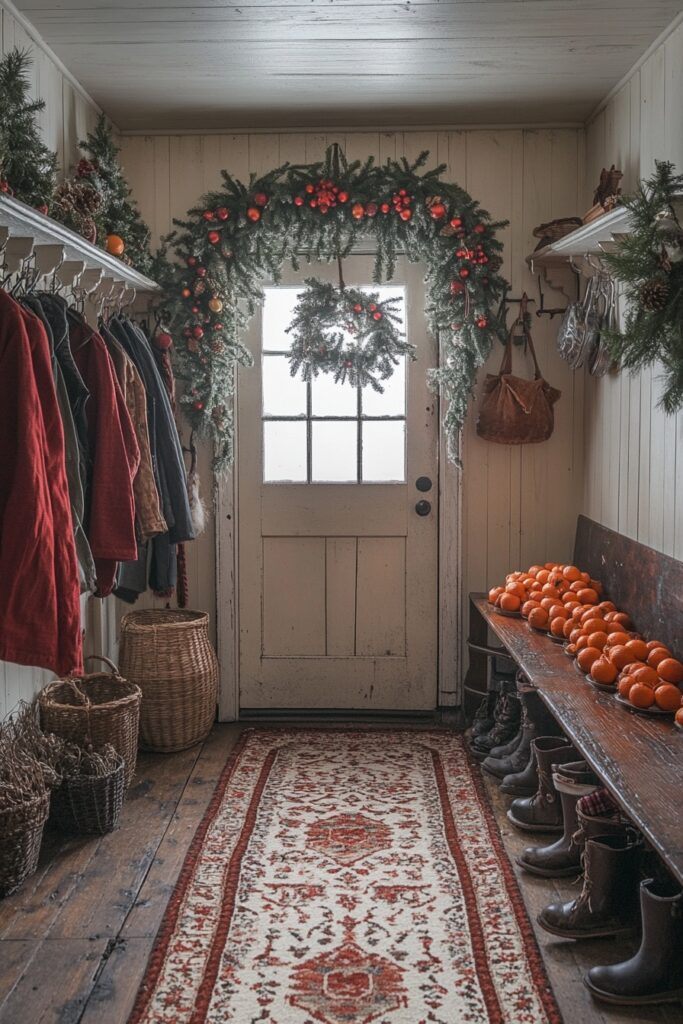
423,483
423,508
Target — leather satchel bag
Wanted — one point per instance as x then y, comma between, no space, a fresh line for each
515,410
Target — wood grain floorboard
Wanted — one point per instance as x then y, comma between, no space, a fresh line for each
74,942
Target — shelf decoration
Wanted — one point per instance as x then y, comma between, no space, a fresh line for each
243,232
648,261
28,169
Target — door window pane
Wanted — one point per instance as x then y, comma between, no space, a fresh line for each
384,451
283,395
278,308
332,399
392,402
335,451
284,451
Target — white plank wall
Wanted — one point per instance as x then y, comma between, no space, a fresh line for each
67,116
520,504
634,453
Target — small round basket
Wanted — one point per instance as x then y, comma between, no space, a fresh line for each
169,655
21,833
90,804
93,710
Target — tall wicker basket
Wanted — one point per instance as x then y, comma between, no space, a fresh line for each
169,655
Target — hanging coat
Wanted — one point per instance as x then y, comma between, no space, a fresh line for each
114,456
39,591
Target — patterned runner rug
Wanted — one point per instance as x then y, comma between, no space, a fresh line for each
347,876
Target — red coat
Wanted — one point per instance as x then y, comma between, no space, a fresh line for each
114,455
39,582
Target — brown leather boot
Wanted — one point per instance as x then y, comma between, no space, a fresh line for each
542,812
607,904
655,974
508,715
563,857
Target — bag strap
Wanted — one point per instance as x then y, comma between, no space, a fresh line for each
521,321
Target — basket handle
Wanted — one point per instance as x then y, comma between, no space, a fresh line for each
107,661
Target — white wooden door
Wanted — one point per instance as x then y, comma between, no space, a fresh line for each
338,573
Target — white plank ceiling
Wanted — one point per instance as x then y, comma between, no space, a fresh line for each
172,64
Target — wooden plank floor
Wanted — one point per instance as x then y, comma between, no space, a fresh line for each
74,941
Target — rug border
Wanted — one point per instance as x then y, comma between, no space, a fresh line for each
170,916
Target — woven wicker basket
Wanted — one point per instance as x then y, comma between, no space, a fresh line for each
94,709
21,833
89,804
169,655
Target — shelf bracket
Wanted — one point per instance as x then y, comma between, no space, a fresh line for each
16,251
48,259
68,274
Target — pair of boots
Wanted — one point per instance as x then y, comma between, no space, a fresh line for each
513,763
562,780
496,722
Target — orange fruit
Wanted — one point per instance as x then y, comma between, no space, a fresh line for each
607,606
656,644
670,670
597,639
617,637
551,565
571,649
571,573
557,610
582,642
596,585
603,671
548,603
668,697
575,634
588,595
577,586
515,587
510,602
641,696
529,606
534,570
622,618
594,624
587,657
542,575
644,674
535,587
620,656
538,618
585,577
624,686
679,717
638,648
632,667
548,590
656,655
557,626
494,594
568,628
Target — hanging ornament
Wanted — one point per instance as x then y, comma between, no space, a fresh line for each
358,211
201,271
186,293
371,209
115,245
384,207
208,215
163,340
198,406
198,332
405,214
215,304
261,199
253,214
214,237
654,295
457,287
299,200
343,197
482,322
192,261
479,229
436,207
223,213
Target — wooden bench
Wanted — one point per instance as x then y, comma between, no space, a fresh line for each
638,758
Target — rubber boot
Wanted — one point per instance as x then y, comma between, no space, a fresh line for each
484,717
607,904
563,857
542,812
522,783
655,974
508,715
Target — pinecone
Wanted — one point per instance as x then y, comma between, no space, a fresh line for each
654,295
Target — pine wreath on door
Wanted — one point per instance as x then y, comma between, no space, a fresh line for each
338,559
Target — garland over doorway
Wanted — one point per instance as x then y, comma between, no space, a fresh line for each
241,234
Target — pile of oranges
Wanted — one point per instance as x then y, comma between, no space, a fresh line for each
568,605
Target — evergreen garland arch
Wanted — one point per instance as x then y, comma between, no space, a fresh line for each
242,233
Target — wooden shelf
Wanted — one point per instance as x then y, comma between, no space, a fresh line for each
590,239
26,230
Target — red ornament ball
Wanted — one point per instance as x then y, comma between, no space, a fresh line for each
299,200
456,222
384,207
261,199
457,287
372,307
201,271
479,229
214,237
464,272
186,293
343,197
358,308
358,211
195,309
208,215
377,315
323,207
115,245
253,214
163,340
437,211
198,332
192,261
482,322
371,209
310,189
223,213
197,406
405,213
